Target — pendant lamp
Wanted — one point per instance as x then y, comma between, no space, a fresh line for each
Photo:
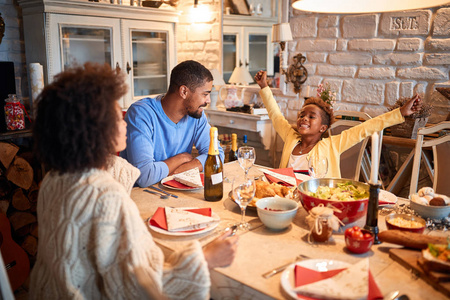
364,6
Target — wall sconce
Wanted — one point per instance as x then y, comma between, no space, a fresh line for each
296,73
199,13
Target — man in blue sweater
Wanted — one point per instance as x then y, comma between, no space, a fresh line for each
161,131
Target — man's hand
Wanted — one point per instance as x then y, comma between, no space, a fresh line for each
411,106
221,251
176,161
261,79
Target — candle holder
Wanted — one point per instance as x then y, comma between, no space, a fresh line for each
372,211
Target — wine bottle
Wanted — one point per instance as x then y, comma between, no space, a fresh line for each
213,190
232,155
244,140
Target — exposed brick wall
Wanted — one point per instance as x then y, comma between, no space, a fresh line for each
200,41
369,62
12,47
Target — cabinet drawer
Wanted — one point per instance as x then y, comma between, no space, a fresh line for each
230,122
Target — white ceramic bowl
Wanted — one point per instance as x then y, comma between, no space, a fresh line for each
275,212
432,212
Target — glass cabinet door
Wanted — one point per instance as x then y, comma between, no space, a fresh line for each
82,44
257,53
149,56
229,55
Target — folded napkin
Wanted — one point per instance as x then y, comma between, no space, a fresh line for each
324,281
159,218
283,176
179,185
386,198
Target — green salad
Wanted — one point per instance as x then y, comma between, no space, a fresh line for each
342,192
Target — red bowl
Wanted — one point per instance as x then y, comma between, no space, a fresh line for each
407,218
351,211
359,246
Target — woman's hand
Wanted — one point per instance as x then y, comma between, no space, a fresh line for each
221,251
261,79
411,106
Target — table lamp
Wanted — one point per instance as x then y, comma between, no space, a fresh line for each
217,81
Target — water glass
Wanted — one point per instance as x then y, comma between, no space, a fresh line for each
246,158
243,193
317,166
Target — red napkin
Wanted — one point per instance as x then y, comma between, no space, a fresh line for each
305,276
284,171
159,218
178,185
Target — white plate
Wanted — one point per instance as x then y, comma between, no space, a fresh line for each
322,265
206,229
178,189
386,196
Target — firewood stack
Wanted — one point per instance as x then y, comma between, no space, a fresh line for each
18,196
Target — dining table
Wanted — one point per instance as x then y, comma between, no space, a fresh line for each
261,249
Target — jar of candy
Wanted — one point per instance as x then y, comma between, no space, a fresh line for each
322,222
14,113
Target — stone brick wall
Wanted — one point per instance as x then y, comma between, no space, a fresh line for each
372,60
201,40
12,47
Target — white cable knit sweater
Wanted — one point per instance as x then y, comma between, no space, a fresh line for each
92,238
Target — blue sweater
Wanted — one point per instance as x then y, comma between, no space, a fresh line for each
152,137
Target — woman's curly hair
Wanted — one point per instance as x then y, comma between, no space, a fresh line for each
75,125
327,111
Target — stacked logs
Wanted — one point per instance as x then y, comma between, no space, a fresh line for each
18,196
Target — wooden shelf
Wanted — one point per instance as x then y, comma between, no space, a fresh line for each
15,134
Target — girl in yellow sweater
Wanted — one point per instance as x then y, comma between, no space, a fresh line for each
313,121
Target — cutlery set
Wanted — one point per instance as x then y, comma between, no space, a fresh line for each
163,194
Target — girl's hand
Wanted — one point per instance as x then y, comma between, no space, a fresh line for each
411,106
261,79
221,251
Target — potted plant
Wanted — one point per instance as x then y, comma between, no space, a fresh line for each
413,122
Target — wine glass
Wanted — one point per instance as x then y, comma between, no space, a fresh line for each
243,193
317,166
246,158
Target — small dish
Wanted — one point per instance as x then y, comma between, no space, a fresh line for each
405,222
276,213
359,245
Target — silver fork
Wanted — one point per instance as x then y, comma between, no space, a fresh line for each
281,268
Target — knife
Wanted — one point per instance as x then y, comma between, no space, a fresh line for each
162,191
281,268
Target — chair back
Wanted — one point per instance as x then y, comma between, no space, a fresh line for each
438,168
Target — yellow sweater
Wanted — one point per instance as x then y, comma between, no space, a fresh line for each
331,147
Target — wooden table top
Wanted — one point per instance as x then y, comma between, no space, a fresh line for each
261,249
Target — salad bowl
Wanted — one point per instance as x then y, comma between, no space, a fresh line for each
346,211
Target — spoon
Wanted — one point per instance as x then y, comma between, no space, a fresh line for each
162,196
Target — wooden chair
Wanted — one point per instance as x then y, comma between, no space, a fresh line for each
355,161
439,166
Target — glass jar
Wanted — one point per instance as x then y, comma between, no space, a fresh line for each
14,113
320,221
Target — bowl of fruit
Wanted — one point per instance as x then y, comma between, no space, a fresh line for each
358,240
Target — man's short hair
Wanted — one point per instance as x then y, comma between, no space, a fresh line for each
189,73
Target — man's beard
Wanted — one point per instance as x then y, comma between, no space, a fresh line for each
196,114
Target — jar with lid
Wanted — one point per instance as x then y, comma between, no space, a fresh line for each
322,222
14,113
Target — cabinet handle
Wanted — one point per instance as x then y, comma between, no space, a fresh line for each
128,68
117,66
231,121
246,63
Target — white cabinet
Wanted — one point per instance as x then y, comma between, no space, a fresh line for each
249,44
138,40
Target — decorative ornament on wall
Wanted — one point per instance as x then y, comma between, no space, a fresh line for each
297,73
2,28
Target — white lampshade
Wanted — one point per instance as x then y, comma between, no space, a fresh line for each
281,33
218,78
363,6
240,75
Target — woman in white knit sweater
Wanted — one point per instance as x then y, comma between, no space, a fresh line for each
92,240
